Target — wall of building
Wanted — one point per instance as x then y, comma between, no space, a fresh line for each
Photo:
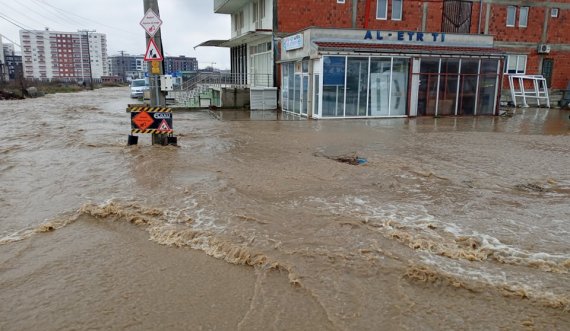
417,15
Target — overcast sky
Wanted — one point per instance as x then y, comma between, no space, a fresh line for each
186,24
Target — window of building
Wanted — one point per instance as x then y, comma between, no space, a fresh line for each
511,13
516,64
382,10
262,8
554,12
397,10
340,1
523,17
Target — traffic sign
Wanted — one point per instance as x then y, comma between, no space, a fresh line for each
164,126
143,120
152,52
153,120
155,67
151,22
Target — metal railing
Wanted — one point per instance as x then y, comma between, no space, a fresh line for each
218,79
202,82
528,87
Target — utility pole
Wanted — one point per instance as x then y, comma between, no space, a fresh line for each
89,56
157,98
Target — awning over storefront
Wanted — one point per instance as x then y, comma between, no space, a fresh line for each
406,49
246,38
212,43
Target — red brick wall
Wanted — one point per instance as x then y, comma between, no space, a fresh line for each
411,17
559,28
498,25
295,15
434,16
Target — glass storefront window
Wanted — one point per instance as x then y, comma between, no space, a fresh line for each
333,86
316,99
296,107
487,87
380,72
427,98
356,86
448,87
399,88
290,78
468,86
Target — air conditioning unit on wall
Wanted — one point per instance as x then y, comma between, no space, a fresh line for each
543,49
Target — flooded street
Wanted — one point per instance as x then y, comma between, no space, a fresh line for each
452,223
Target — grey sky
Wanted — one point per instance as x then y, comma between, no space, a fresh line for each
186,24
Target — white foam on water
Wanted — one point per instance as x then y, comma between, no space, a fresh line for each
449,239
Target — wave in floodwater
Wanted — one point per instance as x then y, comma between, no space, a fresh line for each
413,226
420,232
165,227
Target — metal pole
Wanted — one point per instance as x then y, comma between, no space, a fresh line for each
157,99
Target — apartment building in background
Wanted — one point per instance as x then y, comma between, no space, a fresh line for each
376,58
66,56
130,67
126,66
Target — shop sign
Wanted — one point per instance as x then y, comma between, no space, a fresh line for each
293,42
409,36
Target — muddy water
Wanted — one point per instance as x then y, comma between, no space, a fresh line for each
451,224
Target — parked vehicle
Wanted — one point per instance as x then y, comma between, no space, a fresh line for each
138,86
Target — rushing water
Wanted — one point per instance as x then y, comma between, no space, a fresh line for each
453,223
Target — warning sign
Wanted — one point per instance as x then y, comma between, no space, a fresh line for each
143,121
152,52
164,126
151,22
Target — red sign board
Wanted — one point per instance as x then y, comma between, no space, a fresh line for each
143,120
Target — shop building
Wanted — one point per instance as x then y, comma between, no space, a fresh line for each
525,37
351,73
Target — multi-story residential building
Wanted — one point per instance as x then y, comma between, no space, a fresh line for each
14,65
74,56
133,66
8,49
373,58
3,67
173,64
10,63
126,66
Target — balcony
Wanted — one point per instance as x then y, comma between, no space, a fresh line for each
228,6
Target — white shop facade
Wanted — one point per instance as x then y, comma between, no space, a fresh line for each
348,73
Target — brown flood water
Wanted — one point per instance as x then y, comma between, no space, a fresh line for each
453,223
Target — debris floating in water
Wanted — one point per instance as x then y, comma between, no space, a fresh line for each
349,159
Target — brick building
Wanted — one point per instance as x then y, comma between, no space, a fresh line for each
358,58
